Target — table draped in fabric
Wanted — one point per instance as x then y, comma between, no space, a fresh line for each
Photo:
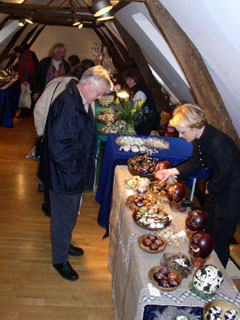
130,265
9,96
179,151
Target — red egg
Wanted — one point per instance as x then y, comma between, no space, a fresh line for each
163,165
200,245
151,237
197,220
153,246
147,242
175,192
159,242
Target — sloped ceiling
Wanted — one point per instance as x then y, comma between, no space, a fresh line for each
213,28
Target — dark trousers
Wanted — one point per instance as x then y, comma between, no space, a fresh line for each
224,215
64,213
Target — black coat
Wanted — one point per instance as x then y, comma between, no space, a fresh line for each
152,122
68,160
38,80
218,153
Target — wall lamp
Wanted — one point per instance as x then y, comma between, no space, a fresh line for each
106,16
21,23
99,7
76,22
29,20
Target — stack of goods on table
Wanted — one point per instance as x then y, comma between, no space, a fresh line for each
7,75
147,199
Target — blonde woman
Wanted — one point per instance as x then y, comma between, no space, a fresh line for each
218,153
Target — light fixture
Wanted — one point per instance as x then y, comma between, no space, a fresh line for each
29,20
99,7
21,23
80,25
122,94
76,22
106,16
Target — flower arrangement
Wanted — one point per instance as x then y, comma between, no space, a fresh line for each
133,112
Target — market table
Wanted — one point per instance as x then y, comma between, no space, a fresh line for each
130,265
9,96
178,152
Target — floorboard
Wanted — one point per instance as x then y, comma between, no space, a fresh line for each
30,289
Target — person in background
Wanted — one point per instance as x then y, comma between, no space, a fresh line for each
74,61
68,160
26,69
87,63
51,92
140,91
50,67
217,152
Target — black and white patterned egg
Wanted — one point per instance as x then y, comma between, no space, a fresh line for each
211,316
230,314
207,279
215,310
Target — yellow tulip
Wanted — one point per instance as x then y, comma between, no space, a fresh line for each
133,111
140,103
117,101
126,99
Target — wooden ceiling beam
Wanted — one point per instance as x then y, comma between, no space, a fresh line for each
11,44
31,8
116,58
49,15
136,53
202,85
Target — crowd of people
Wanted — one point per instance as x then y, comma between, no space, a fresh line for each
62,94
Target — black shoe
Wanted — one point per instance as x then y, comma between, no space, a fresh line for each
66,271
74,251
46,210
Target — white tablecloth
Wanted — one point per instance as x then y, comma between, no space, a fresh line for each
130,265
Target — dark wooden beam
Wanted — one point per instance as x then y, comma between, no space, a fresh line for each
143,67
2,24
116,58
31,8
25,40
11,44
34,38
29,35
202,85
65,22
120,46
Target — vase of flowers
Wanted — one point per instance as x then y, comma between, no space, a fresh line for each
132,112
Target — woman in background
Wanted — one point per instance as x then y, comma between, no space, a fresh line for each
140,91
217,152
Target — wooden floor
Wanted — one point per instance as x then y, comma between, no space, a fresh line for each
30,289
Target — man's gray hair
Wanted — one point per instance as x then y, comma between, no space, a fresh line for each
55,48
96,75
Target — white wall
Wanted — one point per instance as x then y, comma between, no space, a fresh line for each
77,41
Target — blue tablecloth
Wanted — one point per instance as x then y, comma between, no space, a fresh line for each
9,103
178,152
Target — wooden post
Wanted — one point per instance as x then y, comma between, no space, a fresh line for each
202,85
117,60
136,53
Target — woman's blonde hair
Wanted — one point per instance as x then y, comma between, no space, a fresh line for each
188,116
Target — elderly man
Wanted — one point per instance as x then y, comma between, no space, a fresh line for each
68,160
48,68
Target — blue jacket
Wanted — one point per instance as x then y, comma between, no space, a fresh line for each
67,161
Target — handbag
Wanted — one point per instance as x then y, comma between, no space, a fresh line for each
25,100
